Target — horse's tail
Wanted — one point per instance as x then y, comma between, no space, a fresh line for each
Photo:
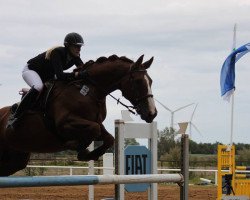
4,114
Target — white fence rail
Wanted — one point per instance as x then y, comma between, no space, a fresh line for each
71,168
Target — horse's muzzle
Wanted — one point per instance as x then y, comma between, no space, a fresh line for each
149,116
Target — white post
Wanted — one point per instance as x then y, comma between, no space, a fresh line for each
152,144
91,172
108,164
119,157
216,178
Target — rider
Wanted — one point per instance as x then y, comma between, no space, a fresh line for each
50,65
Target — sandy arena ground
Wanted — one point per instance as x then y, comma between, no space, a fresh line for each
101,191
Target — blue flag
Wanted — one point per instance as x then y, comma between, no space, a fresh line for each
227,76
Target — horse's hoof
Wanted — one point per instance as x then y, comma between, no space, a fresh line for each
83,155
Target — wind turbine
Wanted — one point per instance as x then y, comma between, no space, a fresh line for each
172,111
191,124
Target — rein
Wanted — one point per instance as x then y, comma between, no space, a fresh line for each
131,108
123,104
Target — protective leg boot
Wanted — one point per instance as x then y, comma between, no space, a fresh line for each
27,102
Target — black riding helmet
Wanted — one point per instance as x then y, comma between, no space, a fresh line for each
73,39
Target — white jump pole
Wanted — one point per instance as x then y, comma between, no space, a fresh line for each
39,181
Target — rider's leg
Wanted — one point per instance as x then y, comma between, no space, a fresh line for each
27,102
33,80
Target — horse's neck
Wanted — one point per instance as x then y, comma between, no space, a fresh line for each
109,74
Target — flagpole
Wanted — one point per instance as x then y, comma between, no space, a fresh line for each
232,104
232,119
232,116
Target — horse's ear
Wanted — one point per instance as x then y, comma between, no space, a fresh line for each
138,62
147,64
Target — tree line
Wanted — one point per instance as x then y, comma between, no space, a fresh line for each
169,139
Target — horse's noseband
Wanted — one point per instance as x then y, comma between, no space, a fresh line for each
138,100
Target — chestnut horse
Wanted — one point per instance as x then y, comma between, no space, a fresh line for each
76,110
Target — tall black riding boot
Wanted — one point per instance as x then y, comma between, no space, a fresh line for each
27,102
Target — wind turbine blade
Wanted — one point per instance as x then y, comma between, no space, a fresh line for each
196,128
193,112
163,105
183,107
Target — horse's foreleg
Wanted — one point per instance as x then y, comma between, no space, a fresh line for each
108,141
12,161
78,134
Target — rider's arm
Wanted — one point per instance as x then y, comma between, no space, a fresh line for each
56,59
79,64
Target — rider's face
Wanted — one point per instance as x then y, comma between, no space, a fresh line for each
75,50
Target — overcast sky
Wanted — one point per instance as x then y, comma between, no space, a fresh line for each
189,39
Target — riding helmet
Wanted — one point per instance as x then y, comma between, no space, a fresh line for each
73,39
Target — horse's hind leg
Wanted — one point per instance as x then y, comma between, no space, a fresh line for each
108,141
12,161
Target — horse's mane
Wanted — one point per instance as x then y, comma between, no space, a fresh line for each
103,59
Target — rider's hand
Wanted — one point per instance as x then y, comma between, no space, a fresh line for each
82,74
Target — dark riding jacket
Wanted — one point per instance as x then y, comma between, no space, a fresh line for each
53,62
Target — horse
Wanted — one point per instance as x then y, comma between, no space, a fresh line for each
75,111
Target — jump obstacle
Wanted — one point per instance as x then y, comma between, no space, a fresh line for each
125,130
119,180
40,181
233,182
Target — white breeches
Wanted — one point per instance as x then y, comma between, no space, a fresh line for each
32,78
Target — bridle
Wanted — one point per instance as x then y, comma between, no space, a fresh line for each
134,90
138,98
